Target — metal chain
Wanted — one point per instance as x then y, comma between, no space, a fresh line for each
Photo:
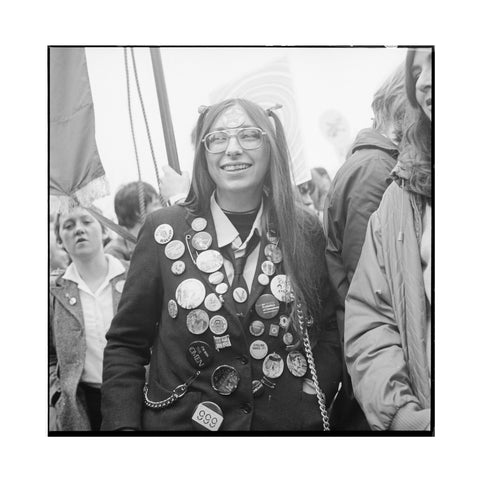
141,190
311,363
162,200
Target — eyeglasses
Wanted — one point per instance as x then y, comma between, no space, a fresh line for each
248,137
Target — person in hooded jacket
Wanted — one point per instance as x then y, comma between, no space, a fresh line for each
355,194
387,309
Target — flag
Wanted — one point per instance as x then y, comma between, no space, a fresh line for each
75,167
268,86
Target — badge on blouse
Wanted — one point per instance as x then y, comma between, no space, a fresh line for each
280,287
284,322
197,322
202,241
215,278
199,354
273,253
178,267
209,261
267,306
163,234
287,338
221,288
190,293
218,325
207,416
268,268
256,328
71,300
297,364
240,295
273,365
174,249
199,224
172,309
212,303
258,349
263,279
225,380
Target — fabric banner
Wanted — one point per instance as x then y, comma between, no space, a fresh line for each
269,86
75,167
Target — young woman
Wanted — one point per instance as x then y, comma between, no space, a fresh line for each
220,292
387,323
84,299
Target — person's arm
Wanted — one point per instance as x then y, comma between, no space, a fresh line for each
130,337
373,347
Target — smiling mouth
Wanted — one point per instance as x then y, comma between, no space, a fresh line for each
235,167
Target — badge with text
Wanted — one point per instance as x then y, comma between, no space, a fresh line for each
258,349
190,293
267,306
163,234
199,354
222,342
207,416
225,380
280,287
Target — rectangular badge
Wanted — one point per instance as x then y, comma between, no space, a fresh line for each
207,418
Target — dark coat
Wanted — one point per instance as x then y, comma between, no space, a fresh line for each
67,351
354,195
143,332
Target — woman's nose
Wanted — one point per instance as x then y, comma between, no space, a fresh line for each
79,229
424,81
233,147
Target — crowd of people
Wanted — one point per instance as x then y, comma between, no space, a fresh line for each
249,303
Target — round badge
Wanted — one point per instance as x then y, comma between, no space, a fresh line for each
221,288
197,322
178,267
207,416
280,287
256,328
174,249
287,339
240,295
268,268
257,388
199,224
284,322
272,237
258,349
172,308
297,363
202,241
273,253
263,279
209,261
72,300
225,380
199,354
273,366
119,285
215,278
163,234
218,325
212,303
267,306
190,293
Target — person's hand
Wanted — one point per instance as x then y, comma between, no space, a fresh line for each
173,184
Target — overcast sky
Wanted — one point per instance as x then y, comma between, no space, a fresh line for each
342,80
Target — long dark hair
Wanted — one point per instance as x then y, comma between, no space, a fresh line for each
416,156
295,226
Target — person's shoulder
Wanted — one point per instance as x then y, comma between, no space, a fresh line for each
55,276
170,214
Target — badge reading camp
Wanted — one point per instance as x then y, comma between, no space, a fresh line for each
202,241
199,224
267,306
178,267
297,364
280,287
199,354
190,293
216,278
212,303
218,325
174,249
209,261
207,416
225,380
273,253
172,309
197,322
273,365
163,234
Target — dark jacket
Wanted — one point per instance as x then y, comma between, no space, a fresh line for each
354,195
67,348
143,332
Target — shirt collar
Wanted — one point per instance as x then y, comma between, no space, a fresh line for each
115,268
225,230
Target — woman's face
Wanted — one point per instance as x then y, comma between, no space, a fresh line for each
422,74
238,169
81,233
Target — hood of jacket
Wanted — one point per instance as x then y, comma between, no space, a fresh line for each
372,139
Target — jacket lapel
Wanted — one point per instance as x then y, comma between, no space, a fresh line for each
67,294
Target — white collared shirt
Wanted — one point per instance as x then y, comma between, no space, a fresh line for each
227,234
97,309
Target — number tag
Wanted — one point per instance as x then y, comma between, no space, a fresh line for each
207,418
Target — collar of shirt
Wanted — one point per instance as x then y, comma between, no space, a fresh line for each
115,268
226,231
